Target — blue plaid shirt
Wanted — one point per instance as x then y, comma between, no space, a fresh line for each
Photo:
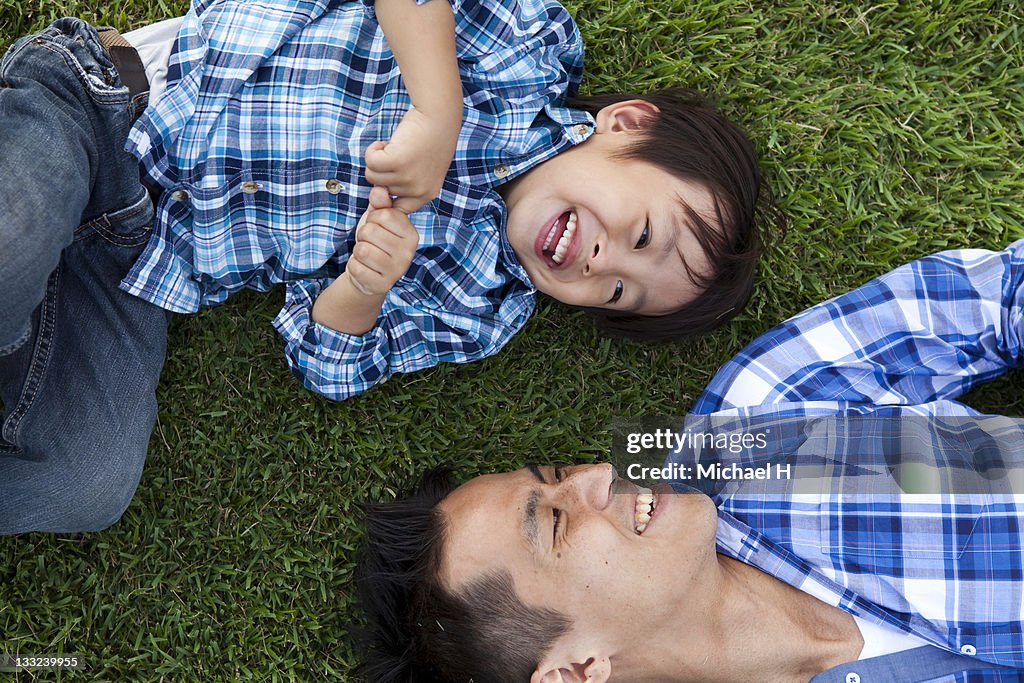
257,148
949,570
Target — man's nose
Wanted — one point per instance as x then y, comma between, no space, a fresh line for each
590,484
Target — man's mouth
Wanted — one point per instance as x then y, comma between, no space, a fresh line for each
554,245
643,509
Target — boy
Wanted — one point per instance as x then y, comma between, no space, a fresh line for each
275,162
255,155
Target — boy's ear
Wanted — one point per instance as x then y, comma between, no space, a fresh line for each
628,115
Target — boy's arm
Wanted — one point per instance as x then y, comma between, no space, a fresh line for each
385,245
412,332
927,331
343,308
413,163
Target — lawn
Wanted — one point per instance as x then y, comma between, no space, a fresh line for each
888,130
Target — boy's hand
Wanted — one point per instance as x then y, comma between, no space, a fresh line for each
386,242
413,163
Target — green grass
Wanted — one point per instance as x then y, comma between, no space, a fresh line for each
888,130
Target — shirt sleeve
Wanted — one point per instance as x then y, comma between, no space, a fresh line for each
927,331
484,27
410,335
513,53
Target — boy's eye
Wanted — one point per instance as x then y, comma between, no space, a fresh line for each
618,292
645,237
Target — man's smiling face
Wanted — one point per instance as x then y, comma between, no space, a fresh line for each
570,540
596,230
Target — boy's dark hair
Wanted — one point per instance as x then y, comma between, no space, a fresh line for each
417,630
691,140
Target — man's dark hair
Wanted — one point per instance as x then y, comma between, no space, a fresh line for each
419,631
691,140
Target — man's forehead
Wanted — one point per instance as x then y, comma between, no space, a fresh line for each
490,499
485,490
482,521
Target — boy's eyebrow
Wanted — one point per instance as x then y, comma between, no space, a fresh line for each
641,299
666,249
682,224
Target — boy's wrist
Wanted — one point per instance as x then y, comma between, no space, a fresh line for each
446,122
345,308
446,114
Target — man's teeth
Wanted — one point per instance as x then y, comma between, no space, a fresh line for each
645,504
566,239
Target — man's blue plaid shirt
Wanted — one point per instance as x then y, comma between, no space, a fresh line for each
257,148
948,569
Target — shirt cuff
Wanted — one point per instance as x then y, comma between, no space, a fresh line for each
301,333
372,12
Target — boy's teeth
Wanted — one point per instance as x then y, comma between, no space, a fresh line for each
551,236
565,241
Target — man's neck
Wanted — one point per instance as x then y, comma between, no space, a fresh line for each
751,627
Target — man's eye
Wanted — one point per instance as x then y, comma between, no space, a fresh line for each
645,237
618,292
555,512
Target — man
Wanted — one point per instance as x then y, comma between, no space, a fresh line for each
572,574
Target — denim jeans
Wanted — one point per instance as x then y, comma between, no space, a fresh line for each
79,359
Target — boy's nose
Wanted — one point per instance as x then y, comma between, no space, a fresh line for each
597,260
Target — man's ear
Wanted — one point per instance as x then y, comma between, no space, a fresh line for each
591,670
628,115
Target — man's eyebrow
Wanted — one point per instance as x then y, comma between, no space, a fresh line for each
530,518
530,512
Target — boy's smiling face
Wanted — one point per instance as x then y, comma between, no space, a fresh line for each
598,231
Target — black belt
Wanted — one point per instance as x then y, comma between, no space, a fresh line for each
126,59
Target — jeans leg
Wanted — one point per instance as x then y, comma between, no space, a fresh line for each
79,392
48,162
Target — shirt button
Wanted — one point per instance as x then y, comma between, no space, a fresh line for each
968,650
502,171
334,186
179,196
852,678
580,129
250,187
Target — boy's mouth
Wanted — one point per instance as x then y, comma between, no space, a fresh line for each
555,242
